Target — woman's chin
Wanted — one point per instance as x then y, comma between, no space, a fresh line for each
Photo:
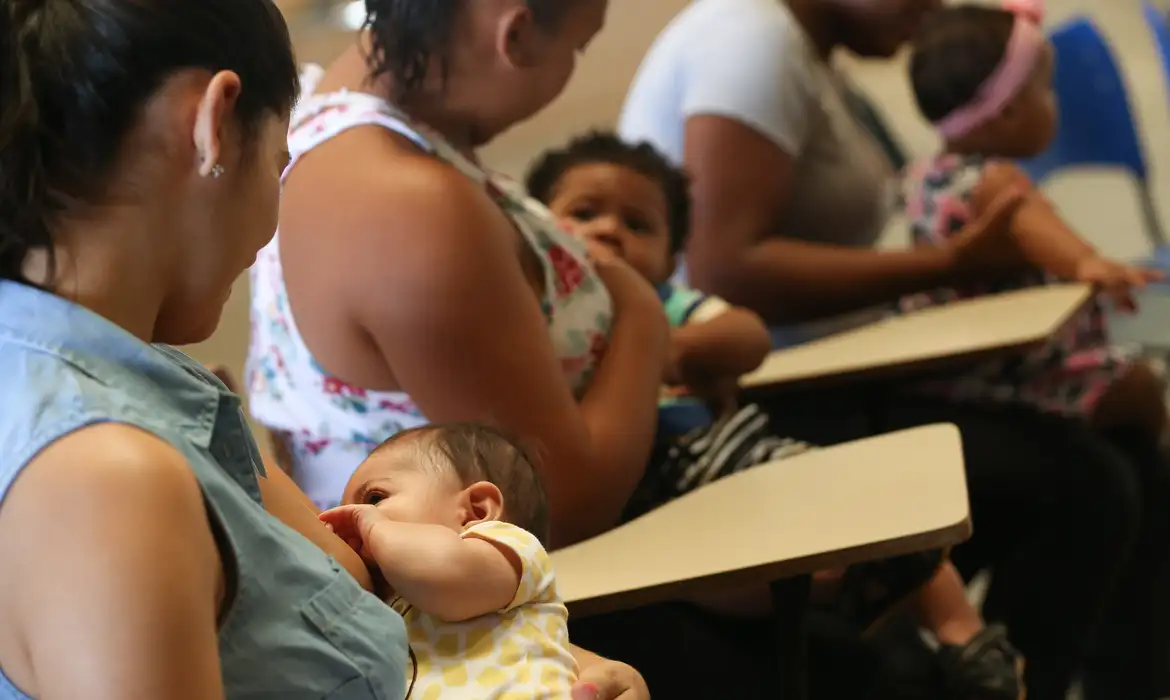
188,329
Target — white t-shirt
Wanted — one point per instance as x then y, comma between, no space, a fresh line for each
750,60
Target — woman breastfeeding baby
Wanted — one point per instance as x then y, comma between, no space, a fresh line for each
141,146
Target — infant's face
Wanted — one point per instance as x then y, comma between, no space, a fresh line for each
621,209
405,487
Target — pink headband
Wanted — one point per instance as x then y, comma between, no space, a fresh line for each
1019,60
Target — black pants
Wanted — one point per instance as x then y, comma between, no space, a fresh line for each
684,652
1075,526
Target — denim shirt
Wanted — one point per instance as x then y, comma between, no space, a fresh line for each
296,625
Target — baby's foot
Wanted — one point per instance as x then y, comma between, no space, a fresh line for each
986,668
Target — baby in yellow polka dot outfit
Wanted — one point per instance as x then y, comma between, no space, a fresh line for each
453,516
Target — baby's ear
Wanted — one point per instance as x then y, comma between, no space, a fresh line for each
483,502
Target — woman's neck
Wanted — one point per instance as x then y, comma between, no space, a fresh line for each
817,22
105,270
431,110
430,106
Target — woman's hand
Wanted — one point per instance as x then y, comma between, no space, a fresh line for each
610,680
628,288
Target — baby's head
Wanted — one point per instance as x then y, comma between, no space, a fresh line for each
454,475
623,196
983,77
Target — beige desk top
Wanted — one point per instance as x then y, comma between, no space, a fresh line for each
926,339
878,497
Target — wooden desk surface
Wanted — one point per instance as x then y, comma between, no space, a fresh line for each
928,339
873,498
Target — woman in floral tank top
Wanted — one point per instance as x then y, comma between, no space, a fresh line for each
409,284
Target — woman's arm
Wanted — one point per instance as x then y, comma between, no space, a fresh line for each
111,579
463,332
741,183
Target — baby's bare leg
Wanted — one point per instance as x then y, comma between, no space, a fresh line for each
943,608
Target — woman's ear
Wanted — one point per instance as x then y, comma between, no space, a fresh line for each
483,501
517,38
218,101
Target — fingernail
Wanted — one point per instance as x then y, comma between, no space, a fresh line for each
592,690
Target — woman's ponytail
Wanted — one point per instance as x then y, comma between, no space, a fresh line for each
23,182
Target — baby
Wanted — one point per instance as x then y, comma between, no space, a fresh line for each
453,517
629,201
983,77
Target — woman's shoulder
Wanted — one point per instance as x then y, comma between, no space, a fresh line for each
396,194
52,397
735,27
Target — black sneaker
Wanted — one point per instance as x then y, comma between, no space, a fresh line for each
986,668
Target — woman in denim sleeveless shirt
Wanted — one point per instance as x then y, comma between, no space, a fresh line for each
141,145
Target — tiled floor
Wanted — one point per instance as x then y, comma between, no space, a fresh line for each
1101,204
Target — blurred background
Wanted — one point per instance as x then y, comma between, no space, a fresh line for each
1101,204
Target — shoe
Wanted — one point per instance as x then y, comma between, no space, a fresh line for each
986,668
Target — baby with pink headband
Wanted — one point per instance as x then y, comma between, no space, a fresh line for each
983,77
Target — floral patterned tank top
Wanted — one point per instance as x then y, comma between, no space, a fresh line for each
328,426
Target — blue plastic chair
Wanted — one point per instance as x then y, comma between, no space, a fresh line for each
1096,127
1159,25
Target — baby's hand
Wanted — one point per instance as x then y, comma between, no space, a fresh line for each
353,524
1116,280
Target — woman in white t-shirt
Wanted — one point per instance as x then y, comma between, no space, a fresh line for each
790,196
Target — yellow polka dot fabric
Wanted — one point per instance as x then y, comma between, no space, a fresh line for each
520,652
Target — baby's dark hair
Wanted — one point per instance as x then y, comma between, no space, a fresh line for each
954,52
605,147
406,35
481,453
75,76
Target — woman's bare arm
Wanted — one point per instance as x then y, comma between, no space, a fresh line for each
741,182
464,334
111,579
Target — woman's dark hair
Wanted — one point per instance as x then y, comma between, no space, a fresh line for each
75,74
954,52
604,147
479,452
406,35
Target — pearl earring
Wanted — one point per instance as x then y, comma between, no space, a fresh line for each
217,170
